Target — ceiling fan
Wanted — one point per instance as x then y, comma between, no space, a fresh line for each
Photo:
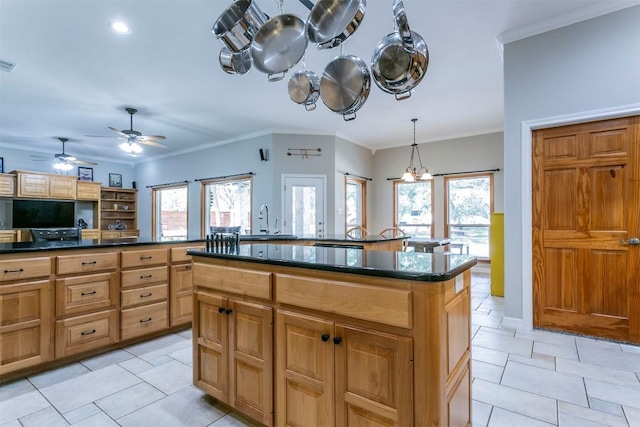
63,161
131,139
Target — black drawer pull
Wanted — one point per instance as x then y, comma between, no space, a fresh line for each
228,311
146,320
89,262
337,340
88,293
93,331
145,295
20,270
145,257
220,310
147,276
325,337
187,267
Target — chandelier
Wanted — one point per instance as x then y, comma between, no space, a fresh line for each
412,173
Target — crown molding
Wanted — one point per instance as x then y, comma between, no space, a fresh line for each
592,11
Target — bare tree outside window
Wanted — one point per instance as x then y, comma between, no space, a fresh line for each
229,204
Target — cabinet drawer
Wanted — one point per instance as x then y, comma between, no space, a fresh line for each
89,263
143,276
389,306
82,333
180,254
144,258
143,320
85,293
144,295
20,269
237,280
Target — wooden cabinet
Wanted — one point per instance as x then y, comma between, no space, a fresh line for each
233,353
181,283
86,302
88,190
8,236
328,373
118,212
25,313
91,234
7,185
144,292
40,185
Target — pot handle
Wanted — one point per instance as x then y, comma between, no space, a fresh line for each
403,26
310,107
276,77
407,95
348,118
329,44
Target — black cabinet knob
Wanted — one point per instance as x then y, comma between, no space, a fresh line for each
325,337
220,309
337,340
228,311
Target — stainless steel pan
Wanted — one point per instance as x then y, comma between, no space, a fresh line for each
331,22
278,45
235,62
237,25
345,85
304,88
400,59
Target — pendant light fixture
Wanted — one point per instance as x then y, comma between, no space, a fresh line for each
412,173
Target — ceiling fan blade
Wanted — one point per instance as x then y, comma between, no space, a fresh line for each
152,137
39,157
100,136
152,143
117,131
84,162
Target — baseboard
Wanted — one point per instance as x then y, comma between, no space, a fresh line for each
512,322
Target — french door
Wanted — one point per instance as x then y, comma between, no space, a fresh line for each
586,225
304,205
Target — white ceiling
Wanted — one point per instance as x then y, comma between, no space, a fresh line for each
74,76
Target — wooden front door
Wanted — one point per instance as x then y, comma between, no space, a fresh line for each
586,208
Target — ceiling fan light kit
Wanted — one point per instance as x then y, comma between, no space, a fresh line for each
63,161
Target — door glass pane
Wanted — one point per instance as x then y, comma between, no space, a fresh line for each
303,218
469,209
413,207
354,203
229,204
172,211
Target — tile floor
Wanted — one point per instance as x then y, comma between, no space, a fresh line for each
521,378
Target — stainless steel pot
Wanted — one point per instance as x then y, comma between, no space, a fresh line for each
234,62
331,22
278,45
345,85
238,24
304,88
400,59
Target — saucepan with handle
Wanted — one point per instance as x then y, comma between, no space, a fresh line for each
238,24
345,85
331,22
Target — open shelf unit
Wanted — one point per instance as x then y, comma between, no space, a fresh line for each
118,211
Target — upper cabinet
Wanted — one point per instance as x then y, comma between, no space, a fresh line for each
7,185
32,184
88,190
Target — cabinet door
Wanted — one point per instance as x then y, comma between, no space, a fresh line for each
374,378
251,369
62,187
25,325
181,283
88,190
304,371
33,185
211,352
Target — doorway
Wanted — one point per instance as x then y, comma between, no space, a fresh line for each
304,203
586,214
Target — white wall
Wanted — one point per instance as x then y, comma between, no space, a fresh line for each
586,67
473,153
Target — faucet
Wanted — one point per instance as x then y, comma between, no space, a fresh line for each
264,229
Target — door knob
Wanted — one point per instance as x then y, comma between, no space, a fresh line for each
632,241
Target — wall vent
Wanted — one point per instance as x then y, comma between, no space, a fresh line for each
7,66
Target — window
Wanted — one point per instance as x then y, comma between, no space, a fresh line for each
170,212
227,203
355,203
413,202
468,204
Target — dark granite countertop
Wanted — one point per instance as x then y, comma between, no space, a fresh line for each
425,267
9,248
342,238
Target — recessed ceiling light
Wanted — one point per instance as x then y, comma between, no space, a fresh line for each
120,27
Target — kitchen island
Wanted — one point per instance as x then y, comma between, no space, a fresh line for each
325,336
371,242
